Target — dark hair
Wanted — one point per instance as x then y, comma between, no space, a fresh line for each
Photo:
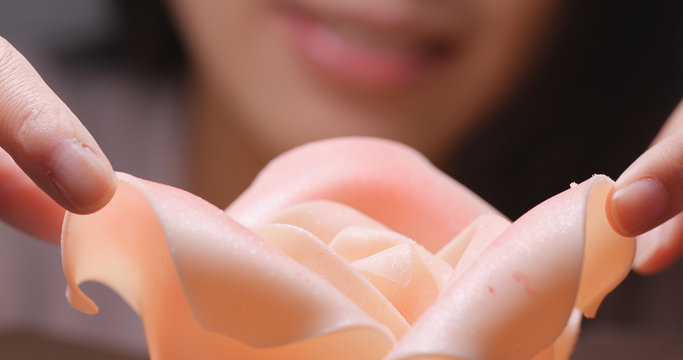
612,79
613,76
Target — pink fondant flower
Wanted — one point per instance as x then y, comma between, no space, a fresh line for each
349,249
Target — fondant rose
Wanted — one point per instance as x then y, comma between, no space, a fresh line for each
349,249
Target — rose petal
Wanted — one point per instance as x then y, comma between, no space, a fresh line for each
462,251
309,251
395,265
407,274
324,219
403,277
515,300
563,346
354,242
453,250
388,182
256,294
209,288
608,255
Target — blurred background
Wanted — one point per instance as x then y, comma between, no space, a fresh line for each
72,45
612,75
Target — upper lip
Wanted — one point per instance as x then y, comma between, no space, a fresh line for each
426,20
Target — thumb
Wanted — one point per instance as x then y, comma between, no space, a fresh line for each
650,191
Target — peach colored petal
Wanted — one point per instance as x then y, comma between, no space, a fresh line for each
324,219
453,250
393,266
355,242
407,274
159,247
563,346
388,182
606,255
516,298
309,251
330,268
403,277
547,354
485,230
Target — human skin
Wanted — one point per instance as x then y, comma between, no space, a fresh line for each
429,102
271,86
648,198
374,73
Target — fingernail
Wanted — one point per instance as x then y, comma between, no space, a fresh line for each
84,180
639,206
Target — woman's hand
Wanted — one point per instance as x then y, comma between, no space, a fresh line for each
648,199
43,143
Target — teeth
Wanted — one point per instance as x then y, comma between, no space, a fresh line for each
380,40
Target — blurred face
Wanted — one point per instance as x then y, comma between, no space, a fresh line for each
421,72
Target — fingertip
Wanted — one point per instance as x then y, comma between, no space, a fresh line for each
610,212
81,179
47,141
637,207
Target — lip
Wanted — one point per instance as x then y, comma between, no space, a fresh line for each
379,51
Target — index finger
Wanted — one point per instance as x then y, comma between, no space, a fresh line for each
46,139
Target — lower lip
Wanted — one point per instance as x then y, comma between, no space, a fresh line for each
349,62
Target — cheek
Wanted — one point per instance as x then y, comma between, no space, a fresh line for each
501,46
220,35
238,57
506,39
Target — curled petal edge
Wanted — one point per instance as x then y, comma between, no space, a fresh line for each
385,180
559,255
157,246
